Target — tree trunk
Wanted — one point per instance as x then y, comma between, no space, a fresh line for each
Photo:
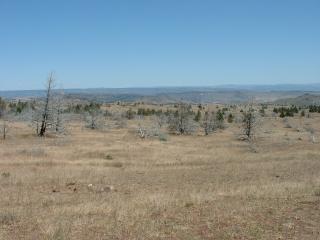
4,130
46,107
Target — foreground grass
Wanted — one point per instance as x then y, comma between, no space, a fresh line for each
113,185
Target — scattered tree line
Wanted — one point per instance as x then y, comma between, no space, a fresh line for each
20,106
314,109
48,112
81,108
286,111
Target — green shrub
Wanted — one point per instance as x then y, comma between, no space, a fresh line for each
230,118
163,137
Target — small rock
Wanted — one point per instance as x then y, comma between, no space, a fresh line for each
100,189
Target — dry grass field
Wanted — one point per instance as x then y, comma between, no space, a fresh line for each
111,184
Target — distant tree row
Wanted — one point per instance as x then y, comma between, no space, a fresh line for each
286,111
148,112
47,114
82,108
15,107
314,108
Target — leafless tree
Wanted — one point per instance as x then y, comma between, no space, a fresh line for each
117,118
207,123
182,121
94,120
4,129
3,111
35,116
161,120
94,116
149,129
46,111
3,106
58,112
141,131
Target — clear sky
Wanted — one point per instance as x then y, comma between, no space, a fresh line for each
144,43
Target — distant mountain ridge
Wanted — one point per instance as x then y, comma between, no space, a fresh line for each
221,94
303,100
311,87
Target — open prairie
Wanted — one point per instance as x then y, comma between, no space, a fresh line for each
112,184
160,120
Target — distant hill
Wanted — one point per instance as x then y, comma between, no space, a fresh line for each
310,87
171,95
303,100
221,94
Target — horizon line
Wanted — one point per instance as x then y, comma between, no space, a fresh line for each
175,86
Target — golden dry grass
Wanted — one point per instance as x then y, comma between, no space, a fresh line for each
114,185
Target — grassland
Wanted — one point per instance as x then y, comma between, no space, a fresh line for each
111,184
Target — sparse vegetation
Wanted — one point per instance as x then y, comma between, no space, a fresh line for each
87,176
219,123
314,109
93,116
249,123
286,111
182,120
3,106
166,120
230,118
208,123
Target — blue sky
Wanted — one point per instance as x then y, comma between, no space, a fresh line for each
144,43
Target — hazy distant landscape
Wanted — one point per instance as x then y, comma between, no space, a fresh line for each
160,163
220,94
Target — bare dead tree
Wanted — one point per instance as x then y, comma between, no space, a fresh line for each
46,109
94,116
3,111
182,121
149,129
207,123
161,120
4,130
3,106
141,131
92,119
117,118
35,117
58,113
